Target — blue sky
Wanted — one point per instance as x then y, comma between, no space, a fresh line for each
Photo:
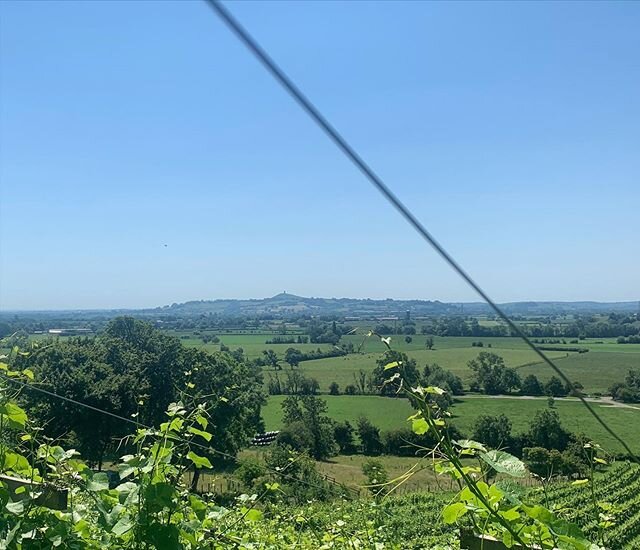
511,129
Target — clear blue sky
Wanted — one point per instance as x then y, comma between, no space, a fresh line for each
512,130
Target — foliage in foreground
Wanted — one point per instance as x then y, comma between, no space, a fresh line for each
153,507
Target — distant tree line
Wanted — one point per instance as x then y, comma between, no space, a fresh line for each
300,339
583,326
628,340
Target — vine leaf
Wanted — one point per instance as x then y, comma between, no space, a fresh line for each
199,461
505,463
454,512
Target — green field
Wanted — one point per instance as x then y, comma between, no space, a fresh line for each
605,363
390,413
596,370
343,369
252,344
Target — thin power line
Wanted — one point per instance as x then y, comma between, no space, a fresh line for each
138,424
305,103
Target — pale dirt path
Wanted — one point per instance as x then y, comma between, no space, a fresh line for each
602,401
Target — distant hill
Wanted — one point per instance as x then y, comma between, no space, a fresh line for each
284,304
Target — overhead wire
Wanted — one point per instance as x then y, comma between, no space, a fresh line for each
314,113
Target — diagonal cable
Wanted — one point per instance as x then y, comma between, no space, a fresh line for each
305,103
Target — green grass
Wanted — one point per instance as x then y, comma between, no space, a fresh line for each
606,362
575,417
252,344
385,412
343,369
390,413
596,370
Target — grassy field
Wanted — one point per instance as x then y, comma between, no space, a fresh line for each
343,369
252,344
389,413
605,363
596,370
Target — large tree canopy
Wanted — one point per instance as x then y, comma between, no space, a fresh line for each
134,369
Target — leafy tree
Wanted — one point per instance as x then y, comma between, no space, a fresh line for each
334,388
492,375
435,375
429,343
555,388
629,390
134,369
544,462
350,389
293,357
547,431
369,437
5,329
532,386
494,431
404,365
307,428
271,358
309,386
408,339
343,433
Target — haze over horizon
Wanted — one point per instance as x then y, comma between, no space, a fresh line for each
147,159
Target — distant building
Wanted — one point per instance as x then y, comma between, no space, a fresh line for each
69,331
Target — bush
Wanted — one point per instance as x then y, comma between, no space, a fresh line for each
376,476
334,388
250,470
350,389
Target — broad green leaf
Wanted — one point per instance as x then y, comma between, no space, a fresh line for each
253,515
580,482
199,461
15,415
159,496
453,512
16,507
202,420
392,365
15,462
511,514
28,373
201,433
124,524
98,482
419,426
505,463
435,390
470,444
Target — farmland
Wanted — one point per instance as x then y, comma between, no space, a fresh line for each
389,413
605,363
331,361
